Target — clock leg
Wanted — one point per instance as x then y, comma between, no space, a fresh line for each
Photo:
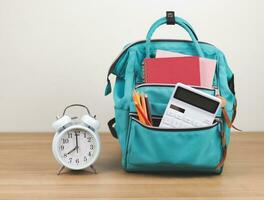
61,169
93,169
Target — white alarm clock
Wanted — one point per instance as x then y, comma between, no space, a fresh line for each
76,144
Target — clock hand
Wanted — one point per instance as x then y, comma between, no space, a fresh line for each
71,151
77,146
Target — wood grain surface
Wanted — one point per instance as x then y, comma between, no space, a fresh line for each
28,171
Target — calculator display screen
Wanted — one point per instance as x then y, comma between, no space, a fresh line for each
196,100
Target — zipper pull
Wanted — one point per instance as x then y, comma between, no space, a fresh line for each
108,88
217,92
219,120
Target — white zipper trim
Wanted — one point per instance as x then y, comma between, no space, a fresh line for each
132,115
173,85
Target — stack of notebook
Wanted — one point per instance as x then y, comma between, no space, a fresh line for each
171,68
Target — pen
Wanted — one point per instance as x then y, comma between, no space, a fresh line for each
148,109
143,104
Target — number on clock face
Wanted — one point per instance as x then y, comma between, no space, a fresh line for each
77,147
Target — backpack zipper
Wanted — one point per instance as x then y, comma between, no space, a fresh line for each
173,85
133,117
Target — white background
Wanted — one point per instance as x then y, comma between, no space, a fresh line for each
57,52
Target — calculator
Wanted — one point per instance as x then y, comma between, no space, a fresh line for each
189,108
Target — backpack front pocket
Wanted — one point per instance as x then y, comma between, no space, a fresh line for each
160,94
158,149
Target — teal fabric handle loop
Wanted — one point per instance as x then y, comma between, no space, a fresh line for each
181,22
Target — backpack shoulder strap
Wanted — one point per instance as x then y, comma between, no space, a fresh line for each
111,126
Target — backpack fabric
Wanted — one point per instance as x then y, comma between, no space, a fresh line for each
146,148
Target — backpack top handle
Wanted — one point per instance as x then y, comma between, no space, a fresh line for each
168,20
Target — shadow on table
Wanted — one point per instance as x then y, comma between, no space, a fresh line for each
177,174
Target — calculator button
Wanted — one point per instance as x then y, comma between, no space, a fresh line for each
167,121
178,117
171,113
188,120
184,119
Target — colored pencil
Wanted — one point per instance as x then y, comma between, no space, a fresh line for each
135,99
139,109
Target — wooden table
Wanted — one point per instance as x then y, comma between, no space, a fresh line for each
28,171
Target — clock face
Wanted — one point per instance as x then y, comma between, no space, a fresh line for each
77,148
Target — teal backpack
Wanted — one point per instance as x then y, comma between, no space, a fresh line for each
153,149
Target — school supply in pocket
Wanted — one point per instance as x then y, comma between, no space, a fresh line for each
148,148
148,108
189,108
141,107
207,66
172,70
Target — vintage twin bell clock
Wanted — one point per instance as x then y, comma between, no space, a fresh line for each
76,144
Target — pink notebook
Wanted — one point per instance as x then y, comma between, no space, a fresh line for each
185,70
207,66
